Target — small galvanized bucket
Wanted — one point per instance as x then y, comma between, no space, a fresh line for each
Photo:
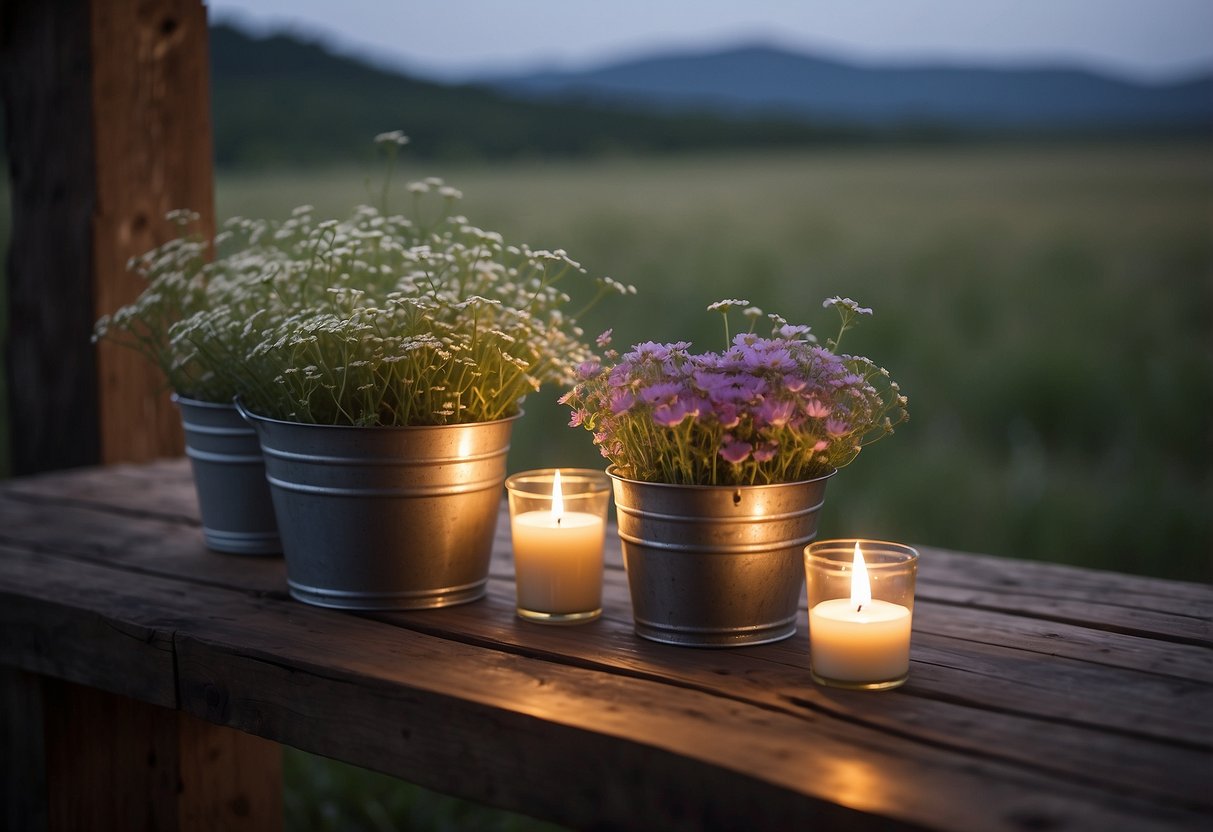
229,476
716,566
382,518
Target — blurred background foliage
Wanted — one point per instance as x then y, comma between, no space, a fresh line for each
328,796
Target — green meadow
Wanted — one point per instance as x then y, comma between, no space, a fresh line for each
1048,310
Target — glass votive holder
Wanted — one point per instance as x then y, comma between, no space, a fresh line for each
558,524
861,602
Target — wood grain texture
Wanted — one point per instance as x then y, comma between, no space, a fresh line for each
43,633
1011,719
153,151
500,727
230,780
114,762
111,761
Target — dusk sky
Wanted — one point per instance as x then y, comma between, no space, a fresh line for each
1147,39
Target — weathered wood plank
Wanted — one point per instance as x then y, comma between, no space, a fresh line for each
163,488
459,716
44,630
997,675
1186,621
142,544
934,710
1072,582
811,753
1168,625
1071,641
979,677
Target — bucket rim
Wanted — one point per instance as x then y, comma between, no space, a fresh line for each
180,399
596,476
251,417
832,555
614,474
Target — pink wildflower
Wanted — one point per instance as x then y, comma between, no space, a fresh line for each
766,452
775,412
837,427
815,409
734,451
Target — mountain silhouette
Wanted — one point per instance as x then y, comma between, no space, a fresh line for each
286,100
760,79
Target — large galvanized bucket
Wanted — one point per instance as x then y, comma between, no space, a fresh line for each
229,476
716,566
382,518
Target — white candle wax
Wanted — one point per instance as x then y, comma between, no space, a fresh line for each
870,644
558,565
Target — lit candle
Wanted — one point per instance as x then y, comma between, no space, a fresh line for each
558,561
859,640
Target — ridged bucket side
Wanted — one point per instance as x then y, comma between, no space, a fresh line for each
386,518
229,476
716,566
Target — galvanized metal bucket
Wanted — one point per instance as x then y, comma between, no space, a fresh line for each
716,566
381,518
229,476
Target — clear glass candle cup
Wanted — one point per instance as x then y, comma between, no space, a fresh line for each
558,543
860,613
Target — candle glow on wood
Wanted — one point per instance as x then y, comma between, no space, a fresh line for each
859,639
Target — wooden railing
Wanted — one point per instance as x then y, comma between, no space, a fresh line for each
1040,696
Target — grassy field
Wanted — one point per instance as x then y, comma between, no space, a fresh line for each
1048,311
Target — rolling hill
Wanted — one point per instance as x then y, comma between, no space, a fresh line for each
764,80
283,100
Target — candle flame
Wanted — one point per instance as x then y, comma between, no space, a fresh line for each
861,588
557,499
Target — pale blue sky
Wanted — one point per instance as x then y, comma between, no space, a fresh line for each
457,38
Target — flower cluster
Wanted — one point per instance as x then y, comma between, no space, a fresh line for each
765,410
176,287
377,319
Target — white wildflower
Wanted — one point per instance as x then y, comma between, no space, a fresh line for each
395,137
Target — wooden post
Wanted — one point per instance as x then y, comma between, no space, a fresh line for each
114,763
152,139
51,371
107,120
107,125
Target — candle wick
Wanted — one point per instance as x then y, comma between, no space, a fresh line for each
859,608
558,521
